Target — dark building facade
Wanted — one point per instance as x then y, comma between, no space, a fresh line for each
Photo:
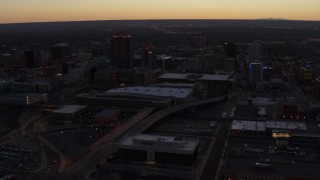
158,149
230,50
122,51
60,51
149,56
32,59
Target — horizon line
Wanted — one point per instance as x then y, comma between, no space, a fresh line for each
69,21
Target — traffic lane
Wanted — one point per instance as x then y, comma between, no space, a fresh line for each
211,168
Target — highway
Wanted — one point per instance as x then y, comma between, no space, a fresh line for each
139,123
105,145
27,120
149,121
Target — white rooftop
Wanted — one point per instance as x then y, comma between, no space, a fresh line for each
286,125
262,126
153,91
69,109
206,77
157,143
248,125
173,76
215,77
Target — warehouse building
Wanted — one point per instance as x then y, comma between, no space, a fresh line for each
212,84
139,96
158,149
68,114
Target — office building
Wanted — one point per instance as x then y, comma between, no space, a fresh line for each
30,59
255,73
76,73
230,50
229,65
254,54
164,61
193,65
122,51
60,51
267,73
149,57
213,62
98,49
33,59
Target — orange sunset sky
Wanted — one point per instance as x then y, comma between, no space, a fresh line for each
12,11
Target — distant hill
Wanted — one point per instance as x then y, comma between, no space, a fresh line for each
274,19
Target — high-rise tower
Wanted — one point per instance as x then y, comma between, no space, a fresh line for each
122,51
149,57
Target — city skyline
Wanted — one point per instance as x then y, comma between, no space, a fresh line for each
15,11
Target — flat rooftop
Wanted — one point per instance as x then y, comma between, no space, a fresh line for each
158,143
286,125
153,91
215,77
69,109
263,125
173,76
248,125
204,77
175,85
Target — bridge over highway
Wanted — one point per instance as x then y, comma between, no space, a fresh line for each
105,145
108,145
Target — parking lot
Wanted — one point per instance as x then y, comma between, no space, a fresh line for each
75,142
20,159
267,151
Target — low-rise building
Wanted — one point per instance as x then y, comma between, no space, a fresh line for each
265,128
139,96
159,149
255,73
68,114
212,83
